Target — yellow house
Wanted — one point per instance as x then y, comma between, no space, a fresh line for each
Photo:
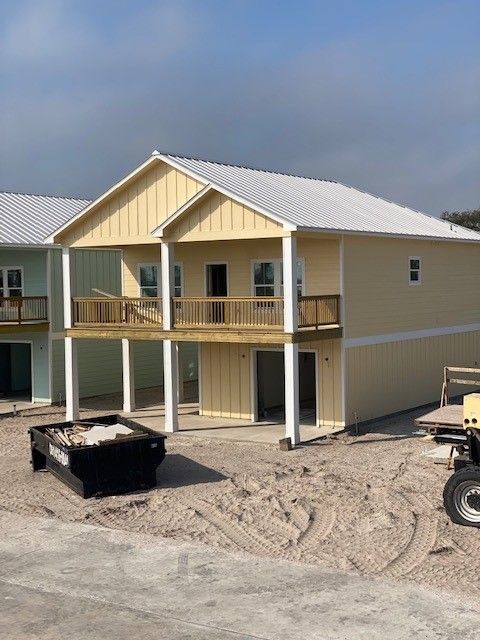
303,295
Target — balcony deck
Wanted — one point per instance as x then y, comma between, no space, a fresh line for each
25,313
202,319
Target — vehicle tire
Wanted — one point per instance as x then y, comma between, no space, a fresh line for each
461,497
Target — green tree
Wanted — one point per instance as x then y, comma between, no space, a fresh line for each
469,219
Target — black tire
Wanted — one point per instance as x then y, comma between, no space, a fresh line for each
461,497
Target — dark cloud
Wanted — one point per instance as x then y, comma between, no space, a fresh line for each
82,104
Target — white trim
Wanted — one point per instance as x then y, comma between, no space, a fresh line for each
72,411
32,375
50,318
158,232
290,293
213,262
128,376
343,353
415,283
384,234
410,335
170,384
166,279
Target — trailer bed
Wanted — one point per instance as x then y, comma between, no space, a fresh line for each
449,417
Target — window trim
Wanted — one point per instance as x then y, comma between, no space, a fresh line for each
277,274
159,280
415,283
11,268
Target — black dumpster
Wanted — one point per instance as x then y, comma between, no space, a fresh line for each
113,466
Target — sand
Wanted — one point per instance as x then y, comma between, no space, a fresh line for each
370,504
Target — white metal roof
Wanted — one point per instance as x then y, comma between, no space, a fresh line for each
28,219
314,204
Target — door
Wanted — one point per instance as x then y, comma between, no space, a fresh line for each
216,287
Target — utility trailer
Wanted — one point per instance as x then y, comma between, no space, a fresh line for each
459,427
116,465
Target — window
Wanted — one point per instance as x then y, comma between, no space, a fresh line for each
11,282
268,278
150,281
414,270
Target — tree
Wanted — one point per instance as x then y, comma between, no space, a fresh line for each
469,219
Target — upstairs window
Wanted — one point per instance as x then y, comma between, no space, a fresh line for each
11,282
268,278
150,282
414,270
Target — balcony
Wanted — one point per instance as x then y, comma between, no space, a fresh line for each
24,310
200,317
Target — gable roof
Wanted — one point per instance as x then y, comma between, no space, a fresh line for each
319,205
28,219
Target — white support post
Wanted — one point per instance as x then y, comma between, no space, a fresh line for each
71,380
167,283
181,382
170,384
292,400
290,297
128,376
71,356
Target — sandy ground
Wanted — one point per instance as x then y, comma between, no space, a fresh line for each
370,504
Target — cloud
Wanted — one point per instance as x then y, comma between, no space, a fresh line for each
86,98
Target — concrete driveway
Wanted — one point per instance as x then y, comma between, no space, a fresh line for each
72,581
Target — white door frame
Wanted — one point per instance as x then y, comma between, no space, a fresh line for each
254,381
32,376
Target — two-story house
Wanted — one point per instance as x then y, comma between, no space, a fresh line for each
31,307
301,294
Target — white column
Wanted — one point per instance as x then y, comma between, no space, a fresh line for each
71,357
292,401
71,380
167,283
170,382
128,376
181,390
290,302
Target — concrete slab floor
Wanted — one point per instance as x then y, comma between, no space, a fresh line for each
21,404
70,581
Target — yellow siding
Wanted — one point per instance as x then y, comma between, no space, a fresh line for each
395,376
321,263
130,215
379,299
217,217
226,380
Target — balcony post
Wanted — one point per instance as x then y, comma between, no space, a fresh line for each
71,355
128,376
167,275
290,297
292,399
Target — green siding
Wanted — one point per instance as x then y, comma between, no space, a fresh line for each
34,263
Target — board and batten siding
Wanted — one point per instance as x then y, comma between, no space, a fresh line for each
34,264
38,340
226,380
134,211
396,376
100,366
218,217
379,299
322,267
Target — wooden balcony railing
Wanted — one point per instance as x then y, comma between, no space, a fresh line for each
117,311
22,310
318,311
228,312
199,313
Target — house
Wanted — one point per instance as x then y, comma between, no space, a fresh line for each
31,309
302,294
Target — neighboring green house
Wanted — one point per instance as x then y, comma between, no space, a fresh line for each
31,309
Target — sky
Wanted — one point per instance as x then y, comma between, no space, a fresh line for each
381,95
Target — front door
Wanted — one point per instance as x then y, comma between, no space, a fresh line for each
216,287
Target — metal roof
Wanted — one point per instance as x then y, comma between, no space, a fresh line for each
314,204
28,219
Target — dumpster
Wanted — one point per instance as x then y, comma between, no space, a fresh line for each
101,456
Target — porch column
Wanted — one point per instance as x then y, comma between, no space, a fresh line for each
292,401
290,301
128,376
71,356
170,384
170,347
